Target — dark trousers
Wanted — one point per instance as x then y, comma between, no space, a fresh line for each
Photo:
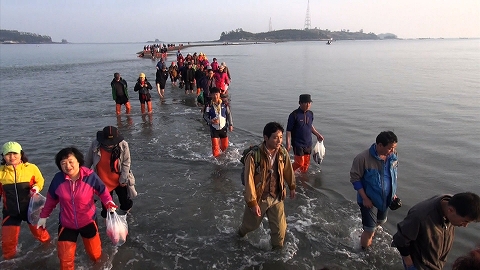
125,202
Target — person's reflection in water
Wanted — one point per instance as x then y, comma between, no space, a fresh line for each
127,123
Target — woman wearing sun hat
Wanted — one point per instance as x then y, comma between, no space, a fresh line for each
19,179
109,157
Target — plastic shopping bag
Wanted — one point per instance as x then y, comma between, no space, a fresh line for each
37,202
318,152
117,228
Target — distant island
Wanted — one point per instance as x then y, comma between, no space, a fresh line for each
299,35
238,35
16,37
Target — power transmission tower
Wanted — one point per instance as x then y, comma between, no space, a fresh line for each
308,23
270,29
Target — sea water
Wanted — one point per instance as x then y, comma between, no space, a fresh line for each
190,205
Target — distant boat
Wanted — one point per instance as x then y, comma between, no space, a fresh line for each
329,42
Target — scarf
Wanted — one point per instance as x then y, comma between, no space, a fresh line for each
217,107
115,150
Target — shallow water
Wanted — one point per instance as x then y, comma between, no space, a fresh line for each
190,204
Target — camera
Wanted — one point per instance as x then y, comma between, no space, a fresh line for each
396,203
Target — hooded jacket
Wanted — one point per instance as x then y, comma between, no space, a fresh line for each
123,165
15,185
367,173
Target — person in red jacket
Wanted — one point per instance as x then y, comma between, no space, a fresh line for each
74,188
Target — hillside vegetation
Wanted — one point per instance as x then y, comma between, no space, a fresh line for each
294,34
13,36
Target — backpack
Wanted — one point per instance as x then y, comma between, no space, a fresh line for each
255,150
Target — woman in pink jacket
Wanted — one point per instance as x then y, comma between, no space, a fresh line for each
74,188
222,82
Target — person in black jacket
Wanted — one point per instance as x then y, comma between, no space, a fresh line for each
199,75
188,77
161,79
120,93
143,88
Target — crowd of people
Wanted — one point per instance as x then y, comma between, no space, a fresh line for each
423,239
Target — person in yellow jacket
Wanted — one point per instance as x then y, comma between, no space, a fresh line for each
19,180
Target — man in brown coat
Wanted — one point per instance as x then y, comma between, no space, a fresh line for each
265,185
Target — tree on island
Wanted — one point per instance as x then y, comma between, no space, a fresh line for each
23,37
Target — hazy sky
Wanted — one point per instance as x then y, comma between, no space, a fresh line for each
205,20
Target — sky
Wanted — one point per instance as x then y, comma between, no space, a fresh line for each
104,21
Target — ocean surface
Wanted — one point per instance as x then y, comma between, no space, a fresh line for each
190,204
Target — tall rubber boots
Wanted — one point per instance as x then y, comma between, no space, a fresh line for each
66,254
93,247
118,108
41,234
301,162
297,162
142,108
306,163
216,147
128,107
224,143
10,241
149,106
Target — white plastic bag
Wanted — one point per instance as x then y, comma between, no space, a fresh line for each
37,202
117,228
318,152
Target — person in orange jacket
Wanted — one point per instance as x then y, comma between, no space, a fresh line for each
19,180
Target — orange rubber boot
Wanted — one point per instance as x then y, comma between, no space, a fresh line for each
142,108
93,247
118,108
10,241
306,163
297,162
216,147
41,234
128,107
224,144
149,106
66,254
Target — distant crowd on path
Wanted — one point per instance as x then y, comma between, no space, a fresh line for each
424,238
157,51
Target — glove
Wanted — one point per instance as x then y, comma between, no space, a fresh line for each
42,222
34,190
111,206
